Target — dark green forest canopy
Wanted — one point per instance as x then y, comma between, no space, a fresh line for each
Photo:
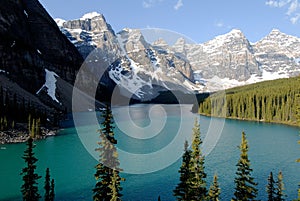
269,101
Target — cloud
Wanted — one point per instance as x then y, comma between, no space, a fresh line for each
293,10
293,7
295,19
151,3
178,5
277,4
221,24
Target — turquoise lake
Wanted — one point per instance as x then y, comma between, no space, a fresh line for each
273,147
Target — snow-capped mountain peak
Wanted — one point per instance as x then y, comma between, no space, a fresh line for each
59,22
90,15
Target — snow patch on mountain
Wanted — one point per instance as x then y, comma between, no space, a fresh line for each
50,84
90,15
59,22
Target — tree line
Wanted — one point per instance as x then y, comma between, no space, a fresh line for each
269,101
192,184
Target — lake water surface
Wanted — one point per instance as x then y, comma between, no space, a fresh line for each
273,147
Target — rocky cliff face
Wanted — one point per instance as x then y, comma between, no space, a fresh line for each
134,65
232,57
31,45
278,52
227,56
226,61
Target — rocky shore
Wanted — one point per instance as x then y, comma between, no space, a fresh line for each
21,135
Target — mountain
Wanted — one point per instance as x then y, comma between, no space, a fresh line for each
234,61
140,70
226,61
38,63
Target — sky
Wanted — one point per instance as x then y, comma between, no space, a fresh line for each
199,20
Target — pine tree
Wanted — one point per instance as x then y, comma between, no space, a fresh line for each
47,185
159,198
279,194
108,180
198,176
245,186
271,188
182,192
114,186
52,192
214,190
30,187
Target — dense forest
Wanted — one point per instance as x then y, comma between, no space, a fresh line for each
269,101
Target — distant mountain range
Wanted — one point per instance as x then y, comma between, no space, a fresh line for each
40,60
144,69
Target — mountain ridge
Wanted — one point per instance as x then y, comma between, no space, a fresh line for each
225,61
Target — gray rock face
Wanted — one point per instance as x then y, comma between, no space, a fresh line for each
134,65
30,44
278,52
230,58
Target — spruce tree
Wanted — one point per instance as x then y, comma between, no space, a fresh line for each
198,188
214,190
182,192
271,188
47,185
245,186
52,192
108,180
29,188
279,195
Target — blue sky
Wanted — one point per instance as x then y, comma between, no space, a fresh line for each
197,19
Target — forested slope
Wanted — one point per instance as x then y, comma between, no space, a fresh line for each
269,101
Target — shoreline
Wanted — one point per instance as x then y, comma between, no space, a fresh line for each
293,124
15,136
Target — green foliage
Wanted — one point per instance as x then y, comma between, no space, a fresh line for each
182,192
108,180
245,186
49,187
279,193
198,175
269,101
271,188
192,185
29,188
3,123
52,192
34,127
214,190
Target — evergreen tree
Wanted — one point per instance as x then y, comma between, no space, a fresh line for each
159,198
114,186
29,188
47,185
198,183
182,192
245,186
52,192
214,190
279,195
271,188
107,170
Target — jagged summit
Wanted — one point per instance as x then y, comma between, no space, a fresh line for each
60,22
160,43
91,15
230,57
